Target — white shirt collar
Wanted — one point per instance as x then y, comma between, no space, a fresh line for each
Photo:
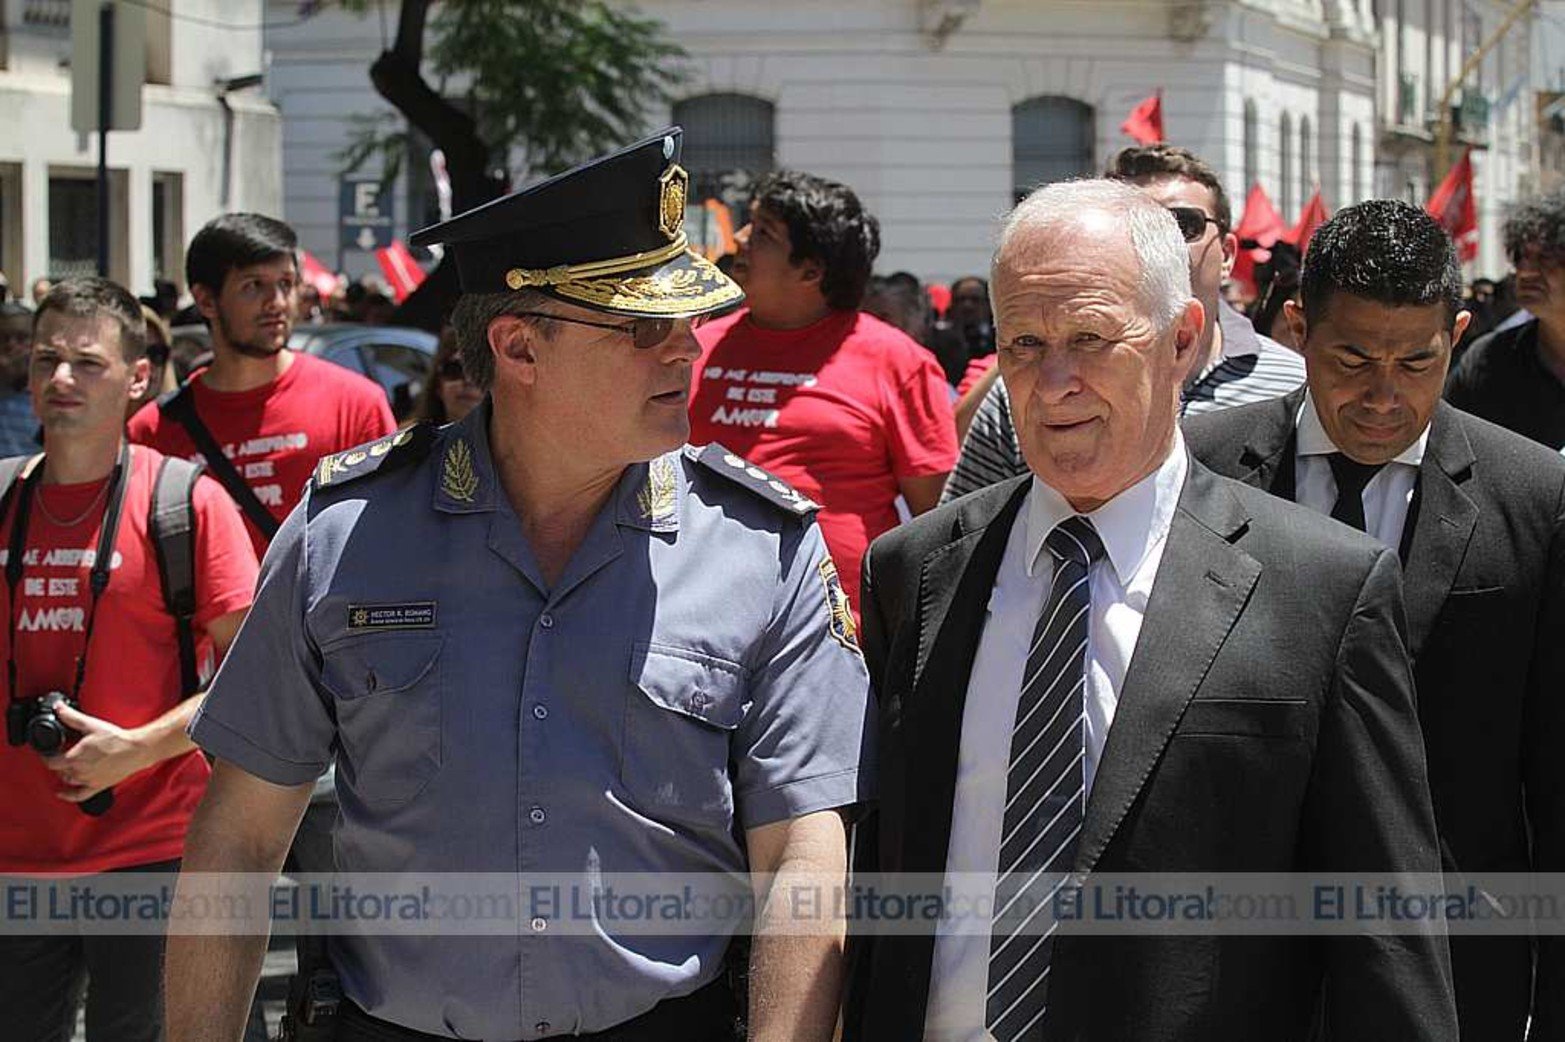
1130,524
1314,441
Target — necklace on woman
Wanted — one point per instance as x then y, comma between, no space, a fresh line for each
43,505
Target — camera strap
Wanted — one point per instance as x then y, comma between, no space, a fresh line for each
98,577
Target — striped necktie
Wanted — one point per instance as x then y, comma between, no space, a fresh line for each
1045,791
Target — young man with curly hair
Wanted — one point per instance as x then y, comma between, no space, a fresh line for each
1516,376
849,410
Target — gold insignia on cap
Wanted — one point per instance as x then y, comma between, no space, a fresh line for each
354,458
458,480
656,498
673,189
840,622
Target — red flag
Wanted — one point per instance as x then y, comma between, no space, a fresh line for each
1244,271
400,269
1260,222
1145,122
1311,217
939,297
316,274
1262,225
1453,206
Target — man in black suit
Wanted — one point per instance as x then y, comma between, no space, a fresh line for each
1476,511
1078,673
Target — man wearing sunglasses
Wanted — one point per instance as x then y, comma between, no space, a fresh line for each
557,654
1233,365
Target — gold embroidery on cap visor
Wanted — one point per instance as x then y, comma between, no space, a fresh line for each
688,285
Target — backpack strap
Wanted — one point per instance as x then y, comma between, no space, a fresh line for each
179,405
10,469
172,530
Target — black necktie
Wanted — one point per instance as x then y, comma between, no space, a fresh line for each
1045,791
1351,477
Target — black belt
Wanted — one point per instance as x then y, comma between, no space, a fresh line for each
706,1015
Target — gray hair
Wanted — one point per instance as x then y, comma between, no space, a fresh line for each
1164,283
470,321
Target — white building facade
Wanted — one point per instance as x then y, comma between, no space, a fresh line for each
201,149
940,112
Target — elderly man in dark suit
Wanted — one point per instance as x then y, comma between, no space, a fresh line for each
1476,512
1078,672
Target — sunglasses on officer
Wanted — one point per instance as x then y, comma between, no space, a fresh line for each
1192,222
643,332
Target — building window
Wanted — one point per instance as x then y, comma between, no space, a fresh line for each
1306,158
11,226
730,142
1252,146
73,224
1285,165
168,227
73,227
729,138
1052,139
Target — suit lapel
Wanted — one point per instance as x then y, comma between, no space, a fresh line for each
1203,582
953,596
1442,524
1267,458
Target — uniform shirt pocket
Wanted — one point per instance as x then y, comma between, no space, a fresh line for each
386,690
680,715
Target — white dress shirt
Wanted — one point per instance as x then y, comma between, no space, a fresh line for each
1386,497
1134,528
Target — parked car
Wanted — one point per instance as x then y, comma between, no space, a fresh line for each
396,357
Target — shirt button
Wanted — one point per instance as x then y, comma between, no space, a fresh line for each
546,621
540,924
536,815
540,712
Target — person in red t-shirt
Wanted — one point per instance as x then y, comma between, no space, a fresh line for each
273,412
117,659
850,411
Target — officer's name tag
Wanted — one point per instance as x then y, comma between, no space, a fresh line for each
418,615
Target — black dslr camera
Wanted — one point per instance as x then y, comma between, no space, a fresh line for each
32,721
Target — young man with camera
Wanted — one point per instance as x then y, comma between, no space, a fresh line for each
98,774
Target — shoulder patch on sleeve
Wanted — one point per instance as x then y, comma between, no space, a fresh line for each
752,478
388,453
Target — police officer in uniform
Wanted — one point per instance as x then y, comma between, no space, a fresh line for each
548,641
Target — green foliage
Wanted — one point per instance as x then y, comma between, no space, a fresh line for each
561,80
383,137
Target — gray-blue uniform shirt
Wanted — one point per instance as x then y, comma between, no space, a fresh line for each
691,673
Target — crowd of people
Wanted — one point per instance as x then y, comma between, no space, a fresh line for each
1073,567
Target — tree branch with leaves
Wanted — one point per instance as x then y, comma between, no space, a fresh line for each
545,84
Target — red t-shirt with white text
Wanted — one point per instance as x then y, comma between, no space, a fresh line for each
132,673
841,410
276,433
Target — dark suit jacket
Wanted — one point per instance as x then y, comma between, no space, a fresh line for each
1221,758
1484,580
